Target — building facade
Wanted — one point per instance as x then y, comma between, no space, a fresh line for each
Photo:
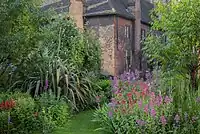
120,26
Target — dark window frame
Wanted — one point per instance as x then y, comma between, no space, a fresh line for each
143,34
127,31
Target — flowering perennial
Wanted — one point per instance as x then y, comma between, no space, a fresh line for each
8,104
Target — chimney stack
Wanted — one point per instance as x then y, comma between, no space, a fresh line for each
76,11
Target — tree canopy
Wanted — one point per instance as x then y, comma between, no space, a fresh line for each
179,22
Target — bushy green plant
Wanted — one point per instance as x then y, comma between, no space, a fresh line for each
56,66
62,78
20,113
21,34
102,89
56,108
20,25
20,117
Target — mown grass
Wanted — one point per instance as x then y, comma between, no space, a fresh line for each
80,124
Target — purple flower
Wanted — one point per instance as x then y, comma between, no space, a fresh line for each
132,76
140,103
151,103
167,100
110,114
153,112
163,120
140,122
146,109
116,91
111,105
148,75
159,100
9,119
113,100
46,84
115,82
152,95
177,118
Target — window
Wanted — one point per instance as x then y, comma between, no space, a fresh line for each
127,32
143,34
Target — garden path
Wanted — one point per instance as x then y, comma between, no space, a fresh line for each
80,124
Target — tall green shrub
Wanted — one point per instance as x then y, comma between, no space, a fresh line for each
176,50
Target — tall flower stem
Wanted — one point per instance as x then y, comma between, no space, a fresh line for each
8,122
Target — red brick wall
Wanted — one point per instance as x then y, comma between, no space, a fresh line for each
104,28
120,45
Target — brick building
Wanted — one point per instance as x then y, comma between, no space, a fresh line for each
119,24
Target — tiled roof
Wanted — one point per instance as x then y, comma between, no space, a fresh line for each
117,7
146,8
58,5
106,7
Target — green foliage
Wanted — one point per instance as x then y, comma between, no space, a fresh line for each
50,72
178,55
53,112
43,50
92,56
105,85
30,116
102,89
20,24
21,116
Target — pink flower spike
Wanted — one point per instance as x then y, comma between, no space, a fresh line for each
151,103
153,112
146,109
140,122
152,95
144,87
167,100
140,103
159,100
163,120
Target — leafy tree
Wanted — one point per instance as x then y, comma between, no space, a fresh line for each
21,32
178,53
20,24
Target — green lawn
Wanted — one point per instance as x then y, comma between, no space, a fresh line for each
80,124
